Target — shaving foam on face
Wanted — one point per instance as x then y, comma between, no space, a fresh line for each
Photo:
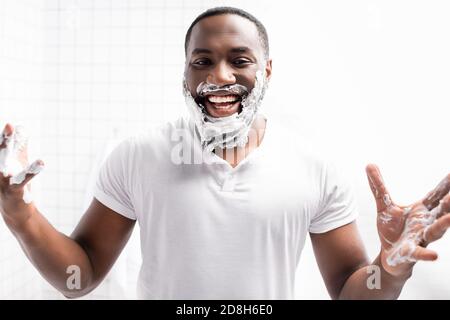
10,164
418,220
231,131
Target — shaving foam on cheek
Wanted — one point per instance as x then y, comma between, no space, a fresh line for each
230,131
416,225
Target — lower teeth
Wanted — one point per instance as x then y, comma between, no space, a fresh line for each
227,106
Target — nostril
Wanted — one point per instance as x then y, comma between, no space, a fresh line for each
221,79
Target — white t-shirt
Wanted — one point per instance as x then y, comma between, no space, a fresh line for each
210,231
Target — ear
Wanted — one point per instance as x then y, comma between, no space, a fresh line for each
269,68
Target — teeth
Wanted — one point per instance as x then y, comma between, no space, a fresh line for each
224,107
222,99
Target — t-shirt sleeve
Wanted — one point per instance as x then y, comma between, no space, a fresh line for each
337,202
113,185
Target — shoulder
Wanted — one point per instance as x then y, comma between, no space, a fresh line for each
150,146
295,147
156,137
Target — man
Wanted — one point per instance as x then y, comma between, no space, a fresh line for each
232,225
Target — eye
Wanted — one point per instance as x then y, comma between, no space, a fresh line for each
202,62
241,62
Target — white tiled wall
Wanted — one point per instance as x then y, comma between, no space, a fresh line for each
368,79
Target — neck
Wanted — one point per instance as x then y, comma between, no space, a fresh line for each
255,136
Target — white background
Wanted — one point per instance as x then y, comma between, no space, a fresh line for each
367,81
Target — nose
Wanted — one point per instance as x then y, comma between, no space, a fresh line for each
221,75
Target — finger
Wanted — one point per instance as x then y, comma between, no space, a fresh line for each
436,230
443,207
379,190
6,135
5,148
4,182
433,197
22,157
22,178
421,253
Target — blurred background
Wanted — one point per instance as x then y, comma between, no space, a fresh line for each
366,81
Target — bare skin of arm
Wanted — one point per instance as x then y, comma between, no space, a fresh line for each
344,265
93,247
404,233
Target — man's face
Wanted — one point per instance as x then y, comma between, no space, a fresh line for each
224,50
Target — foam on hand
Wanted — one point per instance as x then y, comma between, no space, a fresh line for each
416,226
9,160
33,168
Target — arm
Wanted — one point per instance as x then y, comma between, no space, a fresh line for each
404,233
93,247
345,268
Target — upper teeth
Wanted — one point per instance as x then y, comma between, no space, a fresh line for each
221,99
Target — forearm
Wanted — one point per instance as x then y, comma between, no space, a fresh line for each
52,252
362,283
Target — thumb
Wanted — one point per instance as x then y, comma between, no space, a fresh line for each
379,190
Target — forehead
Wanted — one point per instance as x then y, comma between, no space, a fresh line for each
220,31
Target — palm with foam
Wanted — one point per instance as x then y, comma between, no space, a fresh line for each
15,171
405,231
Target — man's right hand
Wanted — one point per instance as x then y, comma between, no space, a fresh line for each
93,246
15,202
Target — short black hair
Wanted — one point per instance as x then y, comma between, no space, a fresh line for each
230,10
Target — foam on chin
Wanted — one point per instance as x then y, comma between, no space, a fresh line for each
228,131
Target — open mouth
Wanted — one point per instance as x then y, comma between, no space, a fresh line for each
222,102
222,105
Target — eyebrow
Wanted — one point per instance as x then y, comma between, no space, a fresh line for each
200,50
234,50
241,50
